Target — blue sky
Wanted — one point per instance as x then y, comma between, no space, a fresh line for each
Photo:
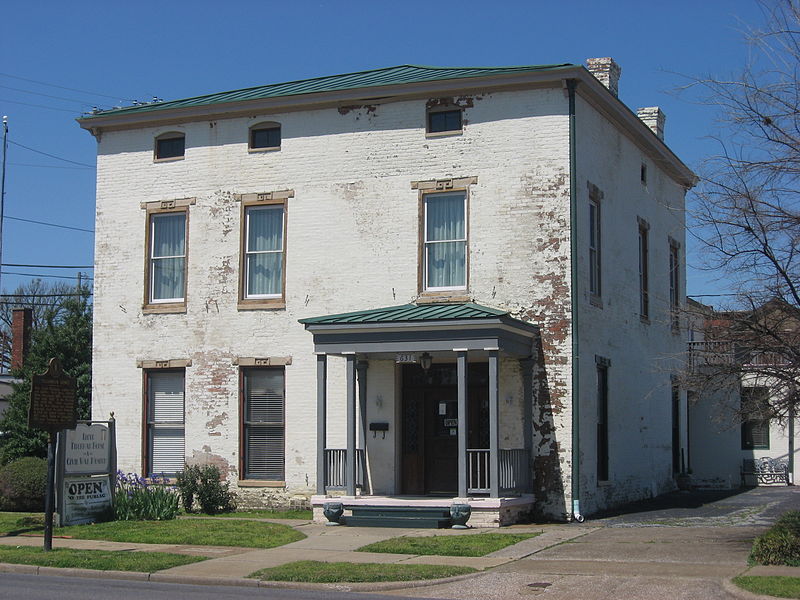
111,53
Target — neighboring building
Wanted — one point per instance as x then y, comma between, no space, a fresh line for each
488,262
740,363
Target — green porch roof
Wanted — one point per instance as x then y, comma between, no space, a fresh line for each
409,313
401,74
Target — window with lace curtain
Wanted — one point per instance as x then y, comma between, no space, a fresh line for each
445,241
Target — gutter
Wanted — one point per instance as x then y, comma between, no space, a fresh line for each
575,493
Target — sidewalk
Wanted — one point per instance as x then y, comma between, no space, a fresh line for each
568,561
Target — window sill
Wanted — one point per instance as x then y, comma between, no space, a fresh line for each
260,483
440,134
260,150
644,320
442,297
170,159
596,300
166,308
261,304
604,483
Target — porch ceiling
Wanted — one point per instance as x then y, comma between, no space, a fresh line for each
422,328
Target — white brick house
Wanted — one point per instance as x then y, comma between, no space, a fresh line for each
524,227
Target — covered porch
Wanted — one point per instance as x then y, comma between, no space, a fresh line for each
447,390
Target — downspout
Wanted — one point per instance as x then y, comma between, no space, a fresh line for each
573,243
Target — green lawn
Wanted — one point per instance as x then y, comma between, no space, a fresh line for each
200,532
782,587
103,560
268,514
14,523
448,545
340,572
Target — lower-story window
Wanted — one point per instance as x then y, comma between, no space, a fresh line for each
263,400
164,410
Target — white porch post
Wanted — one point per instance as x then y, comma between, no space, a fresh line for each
322,388
461,357
350,475
494,425
361,372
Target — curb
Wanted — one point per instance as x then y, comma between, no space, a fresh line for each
156,577
735,590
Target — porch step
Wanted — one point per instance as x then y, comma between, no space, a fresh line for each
399,516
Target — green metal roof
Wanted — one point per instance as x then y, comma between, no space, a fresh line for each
410,312
401,74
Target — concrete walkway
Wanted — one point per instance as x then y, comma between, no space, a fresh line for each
603,559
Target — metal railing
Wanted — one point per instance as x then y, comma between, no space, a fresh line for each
710,353
514,471
336,468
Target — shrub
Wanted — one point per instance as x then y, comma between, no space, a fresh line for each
780,545
204,483
137,499
23,483
186,482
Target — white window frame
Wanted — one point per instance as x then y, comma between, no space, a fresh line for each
152,258
247,252
427,243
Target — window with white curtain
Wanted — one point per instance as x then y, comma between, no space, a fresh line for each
165,422
263,423
264,255
167,257
445,261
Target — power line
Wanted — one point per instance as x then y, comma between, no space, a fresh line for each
50,155
47,266
16,164
49,224
81,102
39,275
43,295
61,87
71,111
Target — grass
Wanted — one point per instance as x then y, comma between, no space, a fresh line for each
199,532
14,523
102,560
311,571
782,587
448,545
268,514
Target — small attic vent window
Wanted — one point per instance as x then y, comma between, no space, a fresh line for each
170,146
444,121
265,136
643,174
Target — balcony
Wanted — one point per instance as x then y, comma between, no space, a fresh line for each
710,353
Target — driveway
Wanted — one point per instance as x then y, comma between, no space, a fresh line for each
680,546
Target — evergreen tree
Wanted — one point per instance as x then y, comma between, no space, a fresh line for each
66,335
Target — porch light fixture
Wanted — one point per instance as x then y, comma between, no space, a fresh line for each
425,361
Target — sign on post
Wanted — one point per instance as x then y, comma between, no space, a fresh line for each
53,407
85,500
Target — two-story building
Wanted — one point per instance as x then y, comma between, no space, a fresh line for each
411,284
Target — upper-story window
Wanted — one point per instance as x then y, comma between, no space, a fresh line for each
170,146
445,241
595,275
674,281
644,275
265,136
444,120
167,257
264,251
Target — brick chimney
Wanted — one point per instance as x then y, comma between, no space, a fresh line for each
606,71
654,118
21,323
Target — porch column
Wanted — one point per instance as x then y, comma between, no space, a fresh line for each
322,389
361,372
526,366
461,358
350,474
494,426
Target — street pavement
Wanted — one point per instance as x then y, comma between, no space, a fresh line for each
674,547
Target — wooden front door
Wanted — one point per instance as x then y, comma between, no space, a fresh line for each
430,426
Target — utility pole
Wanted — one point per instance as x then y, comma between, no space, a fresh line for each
3,186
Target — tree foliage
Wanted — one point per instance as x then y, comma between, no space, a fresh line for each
66,334
747,210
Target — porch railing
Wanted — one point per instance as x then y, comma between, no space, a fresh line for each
710,353
514,471
336,468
